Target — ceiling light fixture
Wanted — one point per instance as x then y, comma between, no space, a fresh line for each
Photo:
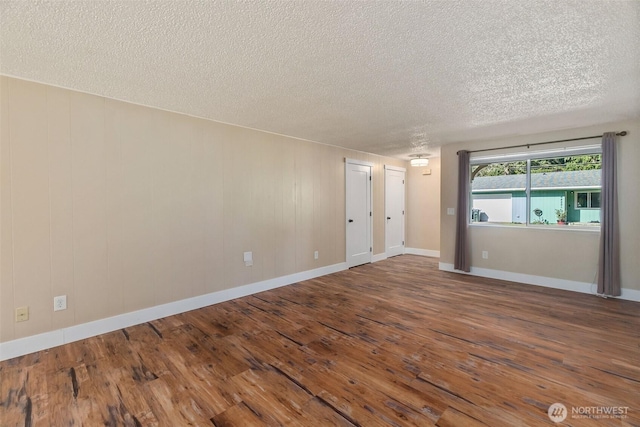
419,161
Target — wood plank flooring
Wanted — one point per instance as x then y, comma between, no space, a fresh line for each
392,343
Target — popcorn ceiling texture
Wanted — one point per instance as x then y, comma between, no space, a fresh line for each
382,77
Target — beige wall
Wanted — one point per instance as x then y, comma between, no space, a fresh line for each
123,207
558,253
423,207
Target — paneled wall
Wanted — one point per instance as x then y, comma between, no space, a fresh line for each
122,207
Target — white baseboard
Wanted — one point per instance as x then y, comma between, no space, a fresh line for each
409,251
31,344
630,294
422,252
548,282
379,257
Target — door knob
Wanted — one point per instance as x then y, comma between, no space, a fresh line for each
350,220
388,217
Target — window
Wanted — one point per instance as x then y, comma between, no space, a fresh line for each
539,188
587,200
497,192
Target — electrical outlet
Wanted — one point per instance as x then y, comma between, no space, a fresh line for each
22,314
248,259
451,211
315,255
60,303
485,254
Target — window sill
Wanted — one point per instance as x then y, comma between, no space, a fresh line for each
563,228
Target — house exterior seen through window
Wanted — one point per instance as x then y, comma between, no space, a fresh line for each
537,189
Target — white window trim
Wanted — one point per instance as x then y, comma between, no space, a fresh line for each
528,156
540,154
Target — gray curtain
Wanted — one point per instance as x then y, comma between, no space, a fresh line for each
463,253
609,258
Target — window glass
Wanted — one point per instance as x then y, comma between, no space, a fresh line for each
537,189
548,195
498,193
581,200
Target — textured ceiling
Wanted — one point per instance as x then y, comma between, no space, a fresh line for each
383,77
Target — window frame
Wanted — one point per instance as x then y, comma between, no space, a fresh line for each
528,157
588,193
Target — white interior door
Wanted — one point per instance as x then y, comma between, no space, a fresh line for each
394,210
358,213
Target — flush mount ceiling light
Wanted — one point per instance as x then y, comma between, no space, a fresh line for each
419,160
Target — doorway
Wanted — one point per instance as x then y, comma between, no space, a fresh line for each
394,186
358,212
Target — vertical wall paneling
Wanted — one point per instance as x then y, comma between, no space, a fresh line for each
94,298
124,207
256,141
164,203
339,247
6,220
30,203
230,234
305,163
237,209
287,224
212,175
112,144
267,184
61,202
179,213
137,206
197,245
323,208
378,197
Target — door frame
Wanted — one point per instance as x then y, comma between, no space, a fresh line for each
347,162
404,208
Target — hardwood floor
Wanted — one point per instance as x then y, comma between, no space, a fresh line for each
392,343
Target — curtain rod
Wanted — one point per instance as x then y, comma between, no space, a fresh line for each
623,133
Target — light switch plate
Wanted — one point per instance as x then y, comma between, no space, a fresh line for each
451,211
248,259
